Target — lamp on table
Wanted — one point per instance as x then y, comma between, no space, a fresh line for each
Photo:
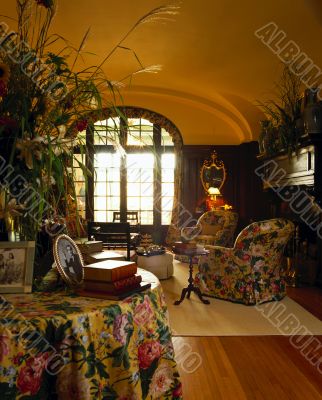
212,203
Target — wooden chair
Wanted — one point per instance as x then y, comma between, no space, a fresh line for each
132,218
112,235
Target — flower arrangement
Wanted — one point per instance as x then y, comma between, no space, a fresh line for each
45,107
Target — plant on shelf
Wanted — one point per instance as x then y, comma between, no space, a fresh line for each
281,130
45,107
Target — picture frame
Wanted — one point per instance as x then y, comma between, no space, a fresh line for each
16,266
68,260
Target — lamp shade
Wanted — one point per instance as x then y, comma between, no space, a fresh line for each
213,191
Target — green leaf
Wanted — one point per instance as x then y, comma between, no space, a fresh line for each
126,360
60,332
163,332
146,376
117,356
79,349
153,299
101,369
62,119
90,370
65,306
111,313
109,393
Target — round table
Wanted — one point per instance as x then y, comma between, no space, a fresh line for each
61,345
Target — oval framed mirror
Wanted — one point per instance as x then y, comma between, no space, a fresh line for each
213,172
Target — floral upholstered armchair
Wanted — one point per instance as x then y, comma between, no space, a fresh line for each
251,272
213,228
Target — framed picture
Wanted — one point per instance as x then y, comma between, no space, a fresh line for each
68,260
16,266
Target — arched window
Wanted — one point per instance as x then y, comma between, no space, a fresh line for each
142,179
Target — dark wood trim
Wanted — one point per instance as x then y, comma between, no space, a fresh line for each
90,179
123,173
157,187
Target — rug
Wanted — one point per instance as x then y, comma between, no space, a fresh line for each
223,318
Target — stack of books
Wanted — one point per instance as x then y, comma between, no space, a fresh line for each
112,279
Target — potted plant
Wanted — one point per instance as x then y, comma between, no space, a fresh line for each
46,105
282,129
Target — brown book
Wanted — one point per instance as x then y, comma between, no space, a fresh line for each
109,296
90,246
102,256
109,270
113,287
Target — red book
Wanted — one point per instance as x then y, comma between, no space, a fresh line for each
113,287
111,296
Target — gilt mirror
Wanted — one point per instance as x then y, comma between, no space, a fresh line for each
213,173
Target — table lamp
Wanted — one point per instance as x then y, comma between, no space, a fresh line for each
212,202
213,193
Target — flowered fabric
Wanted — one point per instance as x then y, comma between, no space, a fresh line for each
250,272
215,228
114,350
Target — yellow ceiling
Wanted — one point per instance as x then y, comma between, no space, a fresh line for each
214,68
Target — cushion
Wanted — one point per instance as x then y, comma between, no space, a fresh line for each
210,229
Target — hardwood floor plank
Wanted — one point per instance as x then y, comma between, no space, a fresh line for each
309,297
252,368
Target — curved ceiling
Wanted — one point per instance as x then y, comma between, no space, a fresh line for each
214,68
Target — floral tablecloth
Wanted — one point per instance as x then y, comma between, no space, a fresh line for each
61,345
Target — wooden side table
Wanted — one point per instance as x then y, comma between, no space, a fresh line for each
191,287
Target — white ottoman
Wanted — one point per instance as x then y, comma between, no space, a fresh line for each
160,265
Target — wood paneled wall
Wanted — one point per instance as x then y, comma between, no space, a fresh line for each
242,189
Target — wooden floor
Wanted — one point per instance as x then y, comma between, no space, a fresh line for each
257,367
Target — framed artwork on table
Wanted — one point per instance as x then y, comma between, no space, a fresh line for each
16,266
68,260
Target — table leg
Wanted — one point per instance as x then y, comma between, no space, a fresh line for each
183,293
198,292
191,287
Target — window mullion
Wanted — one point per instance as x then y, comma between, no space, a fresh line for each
123,171
90,166
157,177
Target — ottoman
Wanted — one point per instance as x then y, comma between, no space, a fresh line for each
160,265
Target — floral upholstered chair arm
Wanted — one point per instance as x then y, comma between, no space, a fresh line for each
222,274
217,261
225,237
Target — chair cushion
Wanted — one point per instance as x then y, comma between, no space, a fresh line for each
210,229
